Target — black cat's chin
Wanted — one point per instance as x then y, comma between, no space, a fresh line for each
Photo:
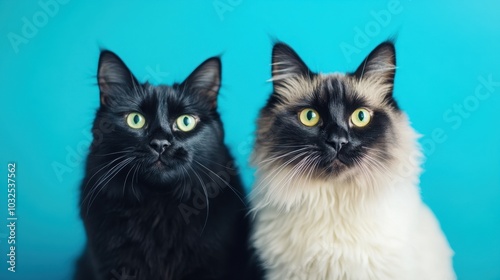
163,176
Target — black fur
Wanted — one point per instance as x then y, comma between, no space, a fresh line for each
176,214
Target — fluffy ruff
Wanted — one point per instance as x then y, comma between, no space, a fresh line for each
369,223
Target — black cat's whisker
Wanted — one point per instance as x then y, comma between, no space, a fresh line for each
90,179
116,153
105,166
206,197
133,180
126,177
102,182
216,163
224,181
184,171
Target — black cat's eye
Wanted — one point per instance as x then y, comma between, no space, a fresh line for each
186,123
136,120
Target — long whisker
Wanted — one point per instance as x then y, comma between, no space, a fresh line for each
206,197
224,181
266,180
126,177
133,180
105,166
104,180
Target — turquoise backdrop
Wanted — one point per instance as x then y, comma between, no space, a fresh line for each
448,81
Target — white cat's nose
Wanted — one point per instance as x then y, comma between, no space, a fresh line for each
159,145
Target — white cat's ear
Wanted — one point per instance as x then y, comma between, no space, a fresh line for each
286,64
114,77
379,66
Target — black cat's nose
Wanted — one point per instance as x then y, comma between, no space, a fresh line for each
337,142
159,145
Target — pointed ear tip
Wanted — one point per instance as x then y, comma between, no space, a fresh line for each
107,55
214,61
105,52
280,46
387,45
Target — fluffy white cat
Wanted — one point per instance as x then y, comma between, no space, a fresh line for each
336,193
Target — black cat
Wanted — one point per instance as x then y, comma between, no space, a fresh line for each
161,198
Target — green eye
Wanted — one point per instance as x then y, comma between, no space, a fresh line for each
136,120
309,117
186,123
361,117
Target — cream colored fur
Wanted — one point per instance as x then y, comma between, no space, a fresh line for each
369,223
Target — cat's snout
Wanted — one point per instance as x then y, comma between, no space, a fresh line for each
337,142
159,145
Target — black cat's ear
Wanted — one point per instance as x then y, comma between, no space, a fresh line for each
114,77
286,64
379,66
205,80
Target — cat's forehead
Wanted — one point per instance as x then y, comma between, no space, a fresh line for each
332,88
340,88
159,90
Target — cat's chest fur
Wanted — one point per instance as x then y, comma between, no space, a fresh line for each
331,235
156,232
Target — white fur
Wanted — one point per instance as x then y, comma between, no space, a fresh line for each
368,224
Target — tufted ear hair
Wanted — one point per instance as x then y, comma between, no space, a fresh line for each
114,78
379,66
286,64
205,80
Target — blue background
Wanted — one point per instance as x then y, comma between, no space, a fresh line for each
48,98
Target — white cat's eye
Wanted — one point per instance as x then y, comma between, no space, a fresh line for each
185,123
361,117
136,120
309,117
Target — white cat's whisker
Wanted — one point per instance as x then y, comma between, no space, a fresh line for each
260,187
274,158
